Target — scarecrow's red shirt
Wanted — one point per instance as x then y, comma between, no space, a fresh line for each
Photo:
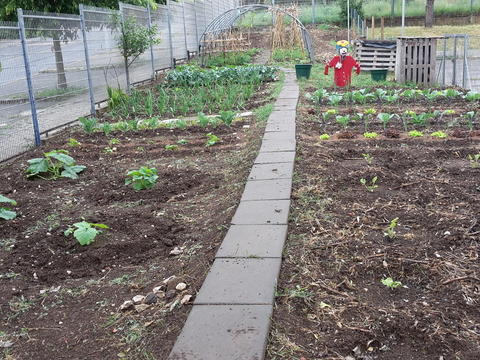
343,76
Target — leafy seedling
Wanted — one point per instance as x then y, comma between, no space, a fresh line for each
390,230
391,284
56,163
89,125
439,134
182,141
171,147
368,158
212,140
85,232
369,187
324,137
415,133
370,135
72,142
203,120
6,213
144,178
227,117
474,161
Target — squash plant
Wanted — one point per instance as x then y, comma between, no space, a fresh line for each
85,232
6,213
57,163
144,178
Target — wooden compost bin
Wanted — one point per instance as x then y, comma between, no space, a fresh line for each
416,60
375,54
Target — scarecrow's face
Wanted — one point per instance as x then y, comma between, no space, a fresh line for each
343,51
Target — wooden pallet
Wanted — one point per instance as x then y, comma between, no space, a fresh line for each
416,60
371,58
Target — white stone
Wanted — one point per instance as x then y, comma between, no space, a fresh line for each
186,299
181,286
137,299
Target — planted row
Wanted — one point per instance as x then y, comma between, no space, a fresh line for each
408,118
91,124
389,96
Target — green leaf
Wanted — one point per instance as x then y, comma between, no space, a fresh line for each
64,158
37,166
5,199
85,236
6,214
71,171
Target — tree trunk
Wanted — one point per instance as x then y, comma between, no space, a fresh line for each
127,75
429,14
57,48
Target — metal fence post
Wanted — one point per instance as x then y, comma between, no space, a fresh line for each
169,20
31,92
196,22
185,30
313,11
152,58
87,60
465,58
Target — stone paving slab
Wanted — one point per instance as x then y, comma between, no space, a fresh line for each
258,240
286,102
275,157
224,332
240,281
278,136
282,116
271,172
278,144
268,212
287,126
267,189
289,94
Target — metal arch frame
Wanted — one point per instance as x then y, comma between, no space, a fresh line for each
226,20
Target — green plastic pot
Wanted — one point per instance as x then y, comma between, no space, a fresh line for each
379,74
303,70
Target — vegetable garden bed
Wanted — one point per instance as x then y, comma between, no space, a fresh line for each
381,260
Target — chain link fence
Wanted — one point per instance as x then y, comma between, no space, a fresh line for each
55,67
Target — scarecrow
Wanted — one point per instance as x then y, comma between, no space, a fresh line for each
343,65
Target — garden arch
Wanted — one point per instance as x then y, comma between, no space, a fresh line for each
225,22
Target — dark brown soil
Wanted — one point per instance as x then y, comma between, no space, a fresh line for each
331,302
61,300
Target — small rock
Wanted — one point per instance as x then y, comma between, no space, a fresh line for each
181,286
176,251
126,305
141,307
167,280
158,289
69,272
170,295
150,299
138,299
186,299
172,284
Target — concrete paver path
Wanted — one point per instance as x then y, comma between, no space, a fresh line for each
231,315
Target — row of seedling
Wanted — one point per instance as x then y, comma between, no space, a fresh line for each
388,96
91,124
408,118
190,90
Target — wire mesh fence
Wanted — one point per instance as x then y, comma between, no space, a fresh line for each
16,127
56,67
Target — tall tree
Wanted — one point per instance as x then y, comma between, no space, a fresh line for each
429,13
